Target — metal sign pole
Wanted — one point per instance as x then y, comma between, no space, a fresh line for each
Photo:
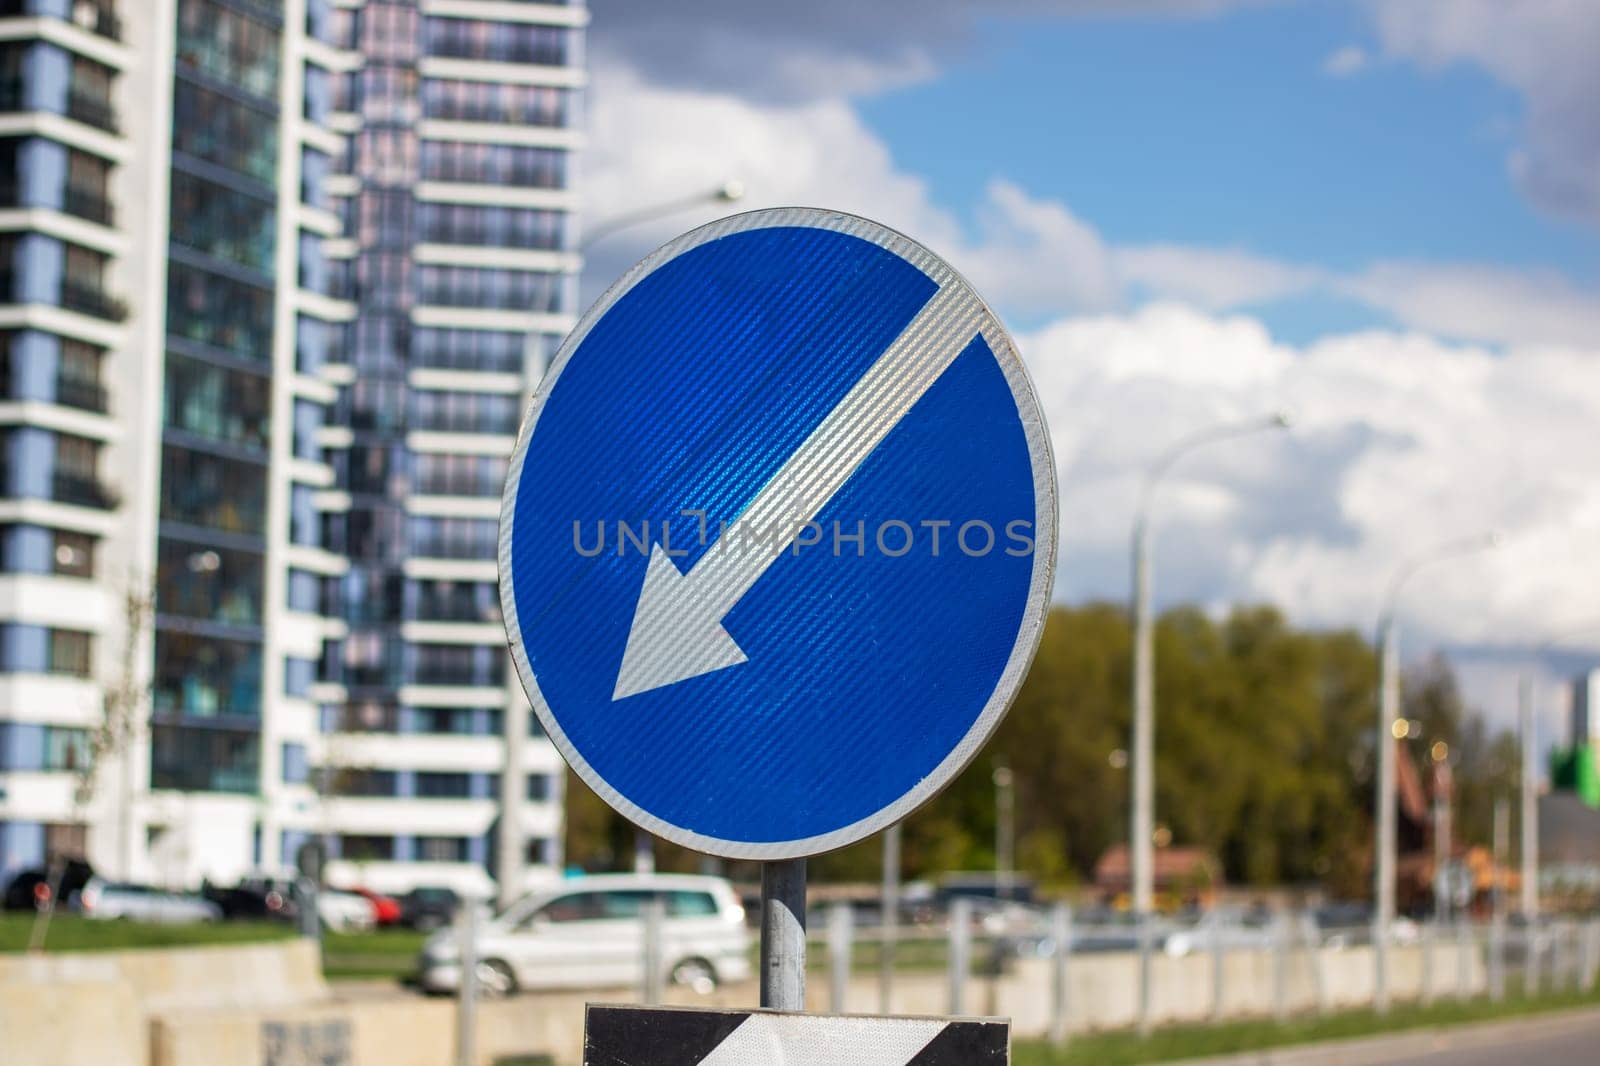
783,935
890,928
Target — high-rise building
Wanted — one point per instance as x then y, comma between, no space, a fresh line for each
277,278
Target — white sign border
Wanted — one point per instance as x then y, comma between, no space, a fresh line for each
1044,553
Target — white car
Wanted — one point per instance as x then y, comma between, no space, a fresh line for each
144,903
346,912
588,932
1229,930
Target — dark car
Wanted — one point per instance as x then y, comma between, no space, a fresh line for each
29,889
427,909
258,902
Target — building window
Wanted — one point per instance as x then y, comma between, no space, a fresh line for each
198,489
229,45
214,584
66,748
498,42
220,129
219,312
70,652
479,224
454,538
222,222
366,848
203,759
538,787
459,286
471,349
220,404
457,601
466,412
494,164
432,785
206,677
296,767
72,554
442,849
78,377
352,781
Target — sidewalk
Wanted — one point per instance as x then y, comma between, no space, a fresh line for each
1416,1043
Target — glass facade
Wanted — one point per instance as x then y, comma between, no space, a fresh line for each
217,409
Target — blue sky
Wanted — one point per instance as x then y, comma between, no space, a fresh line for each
1382,214
1229,132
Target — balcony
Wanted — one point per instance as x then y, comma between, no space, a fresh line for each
460,675
98,19
91,110
542,54
460,486
91,299
84,395
503,424
472,111
476,173
82,491
494,361
500,236
447,548
457,610
91,204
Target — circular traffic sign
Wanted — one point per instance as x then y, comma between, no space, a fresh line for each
778,534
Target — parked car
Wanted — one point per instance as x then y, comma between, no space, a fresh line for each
30,889
589,933
385,909
1221,928
144,903
346,912
427,909
249,902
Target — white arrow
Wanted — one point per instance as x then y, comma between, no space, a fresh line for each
677,626
812,1040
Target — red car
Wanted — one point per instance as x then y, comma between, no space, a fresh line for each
385,909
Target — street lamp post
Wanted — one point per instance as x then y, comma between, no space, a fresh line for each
1388,723
725,193
1142,780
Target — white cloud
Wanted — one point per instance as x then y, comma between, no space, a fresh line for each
1214,278
1346,61
1482,303
1549,52
1401,441
653,144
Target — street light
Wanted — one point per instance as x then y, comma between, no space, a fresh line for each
1143,781
725,193
1388,723
1140,844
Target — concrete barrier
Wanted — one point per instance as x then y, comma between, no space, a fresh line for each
266,1005
69,1023
277,973
379,1032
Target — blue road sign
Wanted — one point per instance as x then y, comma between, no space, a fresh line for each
778,534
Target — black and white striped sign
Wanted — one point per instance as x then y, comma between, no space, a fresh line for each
691,1036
